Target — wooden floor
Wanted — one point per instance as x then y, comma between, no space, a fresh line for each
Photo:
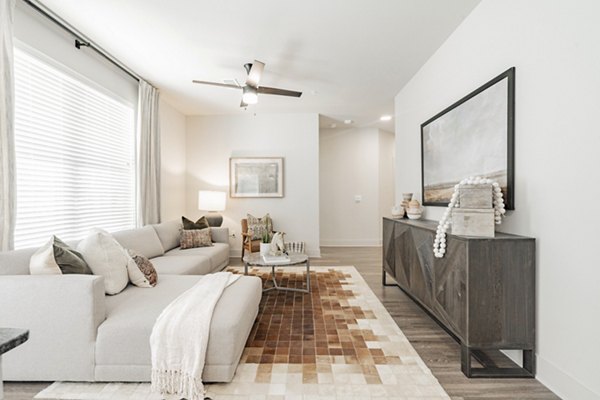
439,351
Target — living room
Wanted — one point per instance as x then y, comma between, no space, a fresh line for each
121,118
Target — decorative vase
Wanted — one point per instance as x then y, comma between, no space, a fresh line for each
265,248
406,198
397,212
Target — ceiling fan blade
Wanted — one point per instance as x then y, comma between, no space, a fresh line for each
280,92
255,73
227,85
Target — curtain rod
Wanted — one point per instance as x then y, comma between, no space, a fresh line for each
80,39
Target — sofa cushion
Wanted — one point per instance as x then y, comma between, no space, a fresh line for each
123,338
107,258
16,262
57,258
144,241
218,253
182,265
168,233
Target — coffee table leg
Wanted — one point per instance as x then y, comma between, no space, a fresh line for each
245,268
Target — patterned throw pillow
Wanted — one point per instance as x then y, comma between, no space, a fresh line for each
56,258
191,238
202,223
260,226
140,270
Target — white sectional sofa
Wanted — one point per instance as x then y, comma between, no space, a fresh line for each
77,333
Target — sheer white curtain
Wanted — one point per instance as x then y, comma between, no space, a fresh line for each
148,155
7,140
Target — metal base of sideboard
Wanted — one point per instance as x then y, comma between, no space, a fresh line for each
490,368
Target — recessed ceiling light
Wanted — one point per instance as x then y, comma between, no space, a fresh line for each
385,118
348,121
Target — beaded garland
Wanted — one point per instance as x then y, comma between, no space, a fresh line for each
439,244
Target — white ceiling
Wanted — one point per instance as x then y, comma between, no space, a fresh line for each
349,57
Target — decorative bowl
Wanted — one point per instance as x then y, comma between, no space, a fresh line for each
407,196
414,216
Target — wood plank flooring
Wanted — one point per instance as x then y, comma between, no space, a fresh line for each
439,351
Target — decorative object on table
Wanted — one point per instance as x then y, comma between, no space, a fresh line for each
213,202
406,198
201,223
414,210
397,212
265,244
256,177
295,247
472,137
278,244
471,221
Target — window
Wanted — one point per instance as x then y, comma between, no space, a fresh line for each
75,154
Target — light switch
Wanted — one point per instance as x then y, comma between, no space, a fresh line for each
357,198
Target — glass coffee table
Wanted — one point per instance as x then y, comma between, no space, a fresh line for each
295,259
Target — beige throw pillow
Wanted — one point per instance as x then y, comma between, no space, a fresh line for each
56,258
106,257
191,238
260,226
141,271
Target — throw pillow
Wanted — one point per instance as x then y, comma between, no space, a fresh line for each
202,223
140,270
55,258
260,226
191,238
106,257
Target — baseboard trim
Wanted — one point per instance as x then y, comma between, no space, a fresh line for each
351,243
561,383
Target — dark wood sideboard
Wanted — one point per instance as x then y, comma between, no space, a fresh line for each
482,291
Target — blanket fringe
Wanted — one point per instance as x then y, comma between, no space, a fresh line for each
179,383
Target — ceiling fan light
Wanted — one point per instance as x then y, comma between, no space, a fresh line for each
250,95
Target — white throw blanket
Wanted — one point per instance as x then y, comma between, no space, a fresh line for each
180,337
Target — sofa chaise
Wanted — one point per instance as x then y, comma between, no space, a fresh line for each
77,333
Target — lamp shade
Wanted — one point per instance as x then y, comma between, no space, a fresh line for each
209,200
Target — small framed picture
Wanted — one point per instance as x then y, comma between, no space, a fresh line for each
256,177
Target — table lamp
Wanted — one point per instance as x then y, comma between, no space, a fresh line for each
212,201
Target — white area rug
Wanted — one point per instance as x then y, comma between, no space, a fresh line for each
378,363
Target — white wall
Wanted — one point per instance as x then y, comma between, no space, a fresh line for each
212,140
351,163
387,155
39,33
555,47
173,156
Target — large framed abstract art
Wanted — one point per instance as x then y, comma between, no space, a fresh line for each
256,177
473,137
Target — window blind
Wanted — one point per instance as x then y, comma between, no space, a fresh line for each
75,154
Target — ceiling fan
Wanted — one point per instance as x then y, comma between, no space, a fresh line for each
251,89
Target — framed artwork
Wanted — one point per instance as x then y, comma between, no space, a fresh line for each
473,137
256,177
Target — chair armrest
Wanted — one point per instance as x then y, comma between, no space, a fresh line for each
62,313
220,234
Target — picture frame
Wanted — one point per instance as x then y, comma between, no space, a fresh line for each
256,177
475,136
